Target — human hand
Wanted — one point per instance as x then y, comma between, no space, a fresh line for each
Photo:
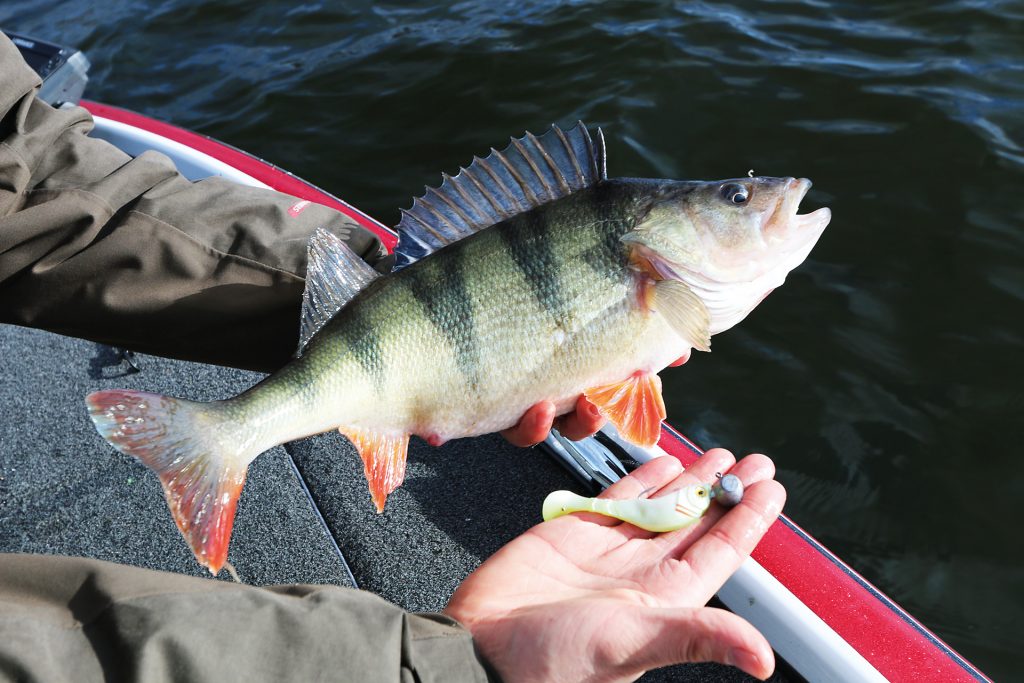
586,597
534,425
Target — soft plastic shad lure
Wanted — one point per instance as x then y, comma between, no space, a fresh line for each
665,513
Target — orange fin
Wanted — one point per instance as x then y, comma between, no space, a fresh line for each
383,460
201,480
633,406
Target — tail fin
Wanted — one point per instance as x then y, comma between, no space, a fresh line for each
202,478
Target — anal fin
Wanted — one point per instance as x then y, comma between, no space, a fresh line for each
383,457
634,406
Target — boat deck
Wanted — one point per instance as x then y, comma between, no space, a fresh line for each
305,515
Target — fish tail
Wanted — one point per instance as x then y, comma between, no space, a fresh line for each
202,475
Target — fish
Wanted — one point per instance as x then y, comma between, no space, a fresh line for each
528,276
677,510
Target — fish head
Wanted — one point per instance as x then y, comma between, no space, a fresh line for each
731,241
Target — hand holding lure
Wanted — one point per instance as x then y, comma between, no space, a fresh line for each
675,511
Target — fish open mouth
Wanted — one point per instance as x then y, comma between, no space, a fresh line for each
814,221
790,236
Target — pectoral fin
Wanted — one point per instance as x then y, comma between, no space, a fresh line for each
633,406
684,311
383,460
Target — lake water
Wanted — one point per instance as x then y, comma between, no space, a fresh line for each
884,378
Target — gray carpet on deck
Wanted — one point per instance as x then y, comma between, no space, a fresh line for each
63,490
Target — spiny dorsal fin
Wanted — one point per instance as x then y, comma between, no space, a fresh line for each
529,172
334,274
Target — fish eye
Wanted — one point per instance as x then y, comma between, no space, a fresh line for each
735,193
701,492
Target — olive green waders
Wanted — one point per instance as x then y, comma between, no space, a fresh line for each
96,244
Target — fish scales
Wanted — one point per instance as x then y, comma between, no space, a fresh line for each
592,289
458,351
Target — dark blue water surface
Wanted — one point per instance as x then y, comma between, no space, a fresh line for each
884,378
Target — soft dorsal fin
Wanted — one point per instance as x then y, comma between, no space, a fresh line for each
334,274
529,172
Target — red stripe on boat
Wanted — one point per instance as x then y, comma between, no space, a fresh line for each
892,641
278,179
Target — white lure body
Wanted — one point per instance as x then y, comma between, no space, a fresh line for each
665,513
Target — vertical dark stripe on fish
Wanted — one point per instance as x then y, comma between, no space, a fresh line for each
608,257
359,337
529,245
443,295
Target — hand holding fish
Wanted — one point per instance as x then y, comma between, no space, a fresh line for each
535,424
587,597
582,422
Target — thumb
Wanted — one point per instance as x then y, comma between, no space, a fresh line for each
705,634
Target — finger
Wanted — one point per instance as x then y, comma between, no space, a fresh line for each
703,634
715,555
751,469
582,422
533,427
651,475
670,476
700,472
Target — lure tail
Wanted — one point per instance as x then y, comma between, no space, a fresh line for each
560,503
202,475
